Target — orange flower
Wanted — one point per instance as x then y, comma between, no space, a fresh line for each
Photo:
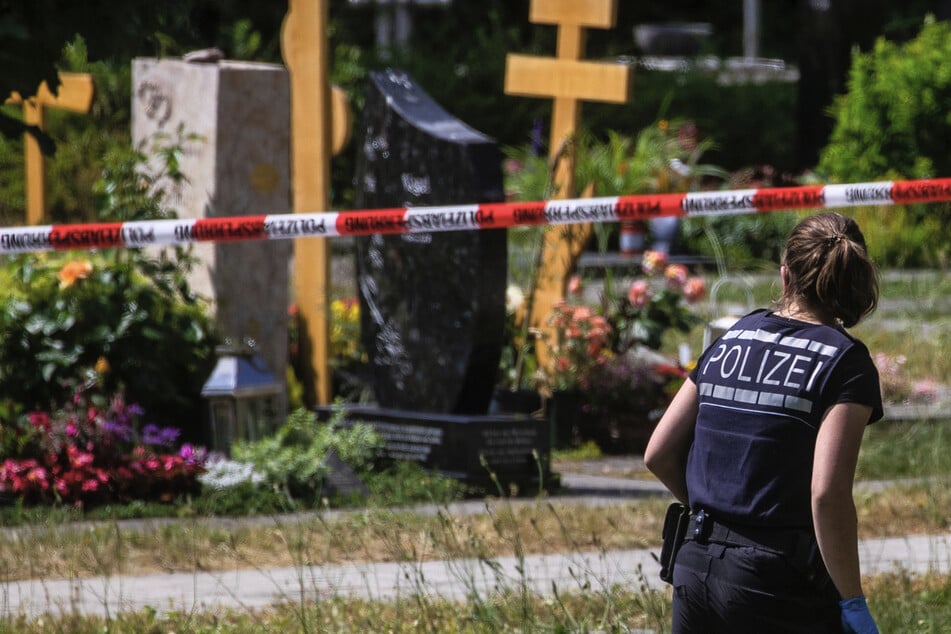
73,271
653,261
102,365
676,276
694,289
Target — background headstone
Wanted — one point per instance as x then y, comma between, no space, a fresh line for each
432,306
238,165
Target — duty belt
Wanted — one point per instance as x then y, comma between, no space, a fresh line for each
705,530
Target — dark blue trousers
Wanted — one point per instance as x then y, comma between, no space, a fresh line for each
720,589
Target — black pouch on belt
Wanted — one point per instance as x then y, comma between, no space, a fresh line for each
675,528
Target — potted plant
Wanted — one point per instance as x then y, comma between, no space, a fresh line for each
606,379
661,158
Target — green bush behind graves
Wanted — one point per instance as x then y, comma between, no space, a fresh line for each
893,123
293,460
124,319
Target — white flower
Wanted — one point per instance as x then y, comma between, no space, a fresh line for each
514,298
222,473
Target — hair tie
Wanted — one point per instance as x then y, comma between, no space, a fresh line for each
834,240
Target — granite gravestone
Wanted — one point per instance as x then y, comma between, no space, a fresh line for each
432,304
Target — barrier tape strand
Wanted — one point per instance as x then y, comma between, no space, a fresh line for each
146,233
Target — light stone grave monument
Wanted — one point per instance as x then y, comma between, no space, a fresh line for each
239,164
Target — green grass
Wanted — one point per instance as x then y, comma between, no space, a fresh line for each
899,450
906,604
614,610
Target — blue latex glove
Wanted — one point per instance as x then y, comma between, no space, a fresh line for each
856,618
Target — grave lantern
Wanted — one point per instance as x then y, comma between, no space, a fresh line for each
243,397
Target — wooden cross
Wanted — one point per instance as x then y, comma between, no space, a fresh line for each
568,80
75,93
319,128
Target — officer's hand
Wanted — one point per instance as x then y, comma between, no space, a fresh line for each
856,618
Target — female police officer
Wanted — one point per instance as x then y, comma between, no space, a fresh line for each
761,443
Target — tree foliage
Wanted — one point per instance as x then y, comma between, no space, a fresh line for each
893,123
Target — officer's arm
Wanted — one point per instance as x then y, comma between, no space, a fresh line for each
833,509
666,453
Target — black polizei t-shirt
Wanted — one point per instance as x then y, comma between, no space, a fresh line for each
764,387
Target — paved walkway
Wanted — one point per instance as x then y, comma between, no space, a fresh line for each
453,579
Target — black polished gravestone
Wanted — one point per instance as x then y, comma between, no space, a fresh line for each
432,305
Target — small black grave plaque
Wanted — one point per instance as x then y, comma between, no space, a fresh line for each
515,447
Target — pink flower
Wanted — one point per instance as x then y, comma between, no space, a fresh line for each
653,261
687,136
599,328
36,474
694,289
639,293
77,458
562,364
574,285
71,430
676,275
40,420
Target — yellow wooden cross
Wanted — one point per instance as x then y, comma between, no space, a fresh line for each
319,128
75,93
568,80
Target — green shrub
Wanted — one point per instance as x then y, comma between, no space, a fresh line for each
123,317
893,123
293,459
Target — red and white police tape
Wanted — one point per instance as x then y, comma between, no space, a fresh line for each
146,233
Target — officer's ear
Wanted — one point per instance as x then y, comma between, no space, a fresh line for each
783,274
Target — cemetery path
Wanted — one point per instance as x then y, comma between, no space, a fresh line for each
453,579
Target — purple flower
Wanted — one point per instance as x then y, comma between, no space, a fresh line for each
117,430
152,434
193,455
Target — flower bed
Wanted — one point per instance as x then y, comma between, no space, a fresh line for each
90,453
607,353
